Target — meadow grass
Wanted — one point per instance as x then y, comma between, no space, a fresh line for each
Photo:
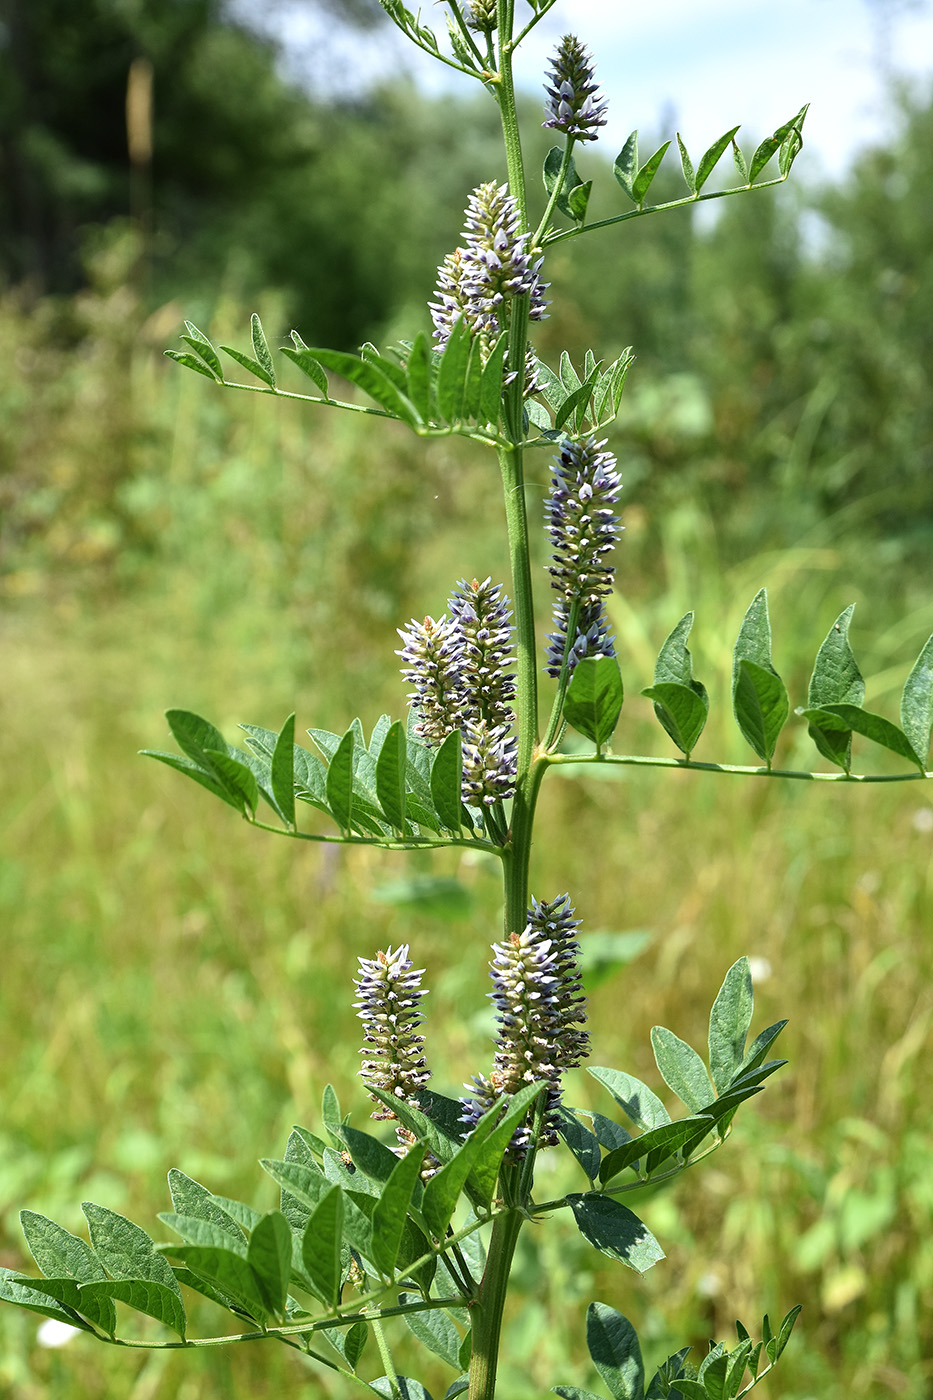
176,987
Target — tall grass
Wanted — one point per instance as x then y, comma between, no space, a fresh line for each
176,988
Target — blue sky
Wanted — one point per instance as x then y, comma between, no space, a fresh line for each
703,65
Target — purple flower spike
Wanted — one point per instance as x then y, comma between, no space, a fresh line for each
389,995
481,613
583,527
431,663
494,265
574,104
540,1010
490,760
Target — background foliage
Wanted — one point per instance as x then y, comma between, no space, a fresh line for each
173,985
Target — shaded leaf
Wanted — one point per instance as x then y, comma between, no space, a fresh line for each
615,1230
391,767
761,707
613,1344
583,1144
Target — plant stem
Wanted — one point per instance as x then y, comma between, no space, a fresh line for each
486,1312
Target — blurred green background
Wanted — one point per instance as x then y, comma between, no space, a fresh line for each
176,988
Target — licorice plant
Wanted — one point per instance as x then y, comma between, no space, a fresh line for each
416,1223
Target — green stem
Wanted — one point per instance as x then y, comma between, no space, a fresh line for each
486,1312
688,765
387,1362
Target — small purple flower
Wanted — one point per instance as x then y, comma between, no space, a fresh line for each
583,527
540,1010
389,995
431,663
574,104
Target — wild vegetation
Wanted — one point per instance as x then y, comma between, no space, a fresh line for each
164,544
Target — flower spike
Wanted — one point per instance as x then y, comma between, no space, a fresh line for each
540,1012
574,104
583,527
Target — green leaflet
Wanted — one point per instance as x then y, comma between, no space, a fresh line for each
594,698
270,1257
388,1219
615,1230
226,1272
681,1068
646,174
655,1146
435,1331
759,698
282,773
349,1342
574,193
301,356
845,719
613,1344
203,347
251,365
446,782
583,1144
339,782
58,1298
625,166
710,159
419,370
61,1255
195,1229
375,376
687,166
836,679
261,348
637,1101
917,704
321,1245
452,372
391,767
729,1020
681,703
140,1276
